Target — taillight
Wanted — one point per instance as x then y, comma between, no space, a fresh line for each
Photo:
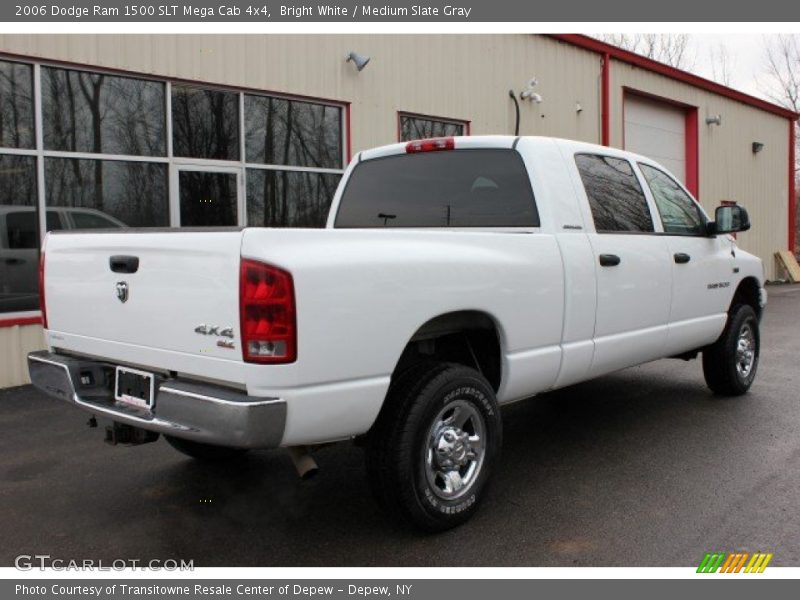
430,145
41,291
267,313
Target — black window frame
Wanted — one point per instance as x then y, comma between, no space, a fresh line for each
638,183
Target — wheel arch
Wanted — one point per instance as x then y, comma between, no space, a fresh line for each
469,337
748,292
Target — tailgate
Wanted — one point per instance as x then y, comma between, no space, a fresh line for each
184,280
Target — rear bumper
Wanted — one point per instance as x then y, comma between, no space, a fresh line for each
187,409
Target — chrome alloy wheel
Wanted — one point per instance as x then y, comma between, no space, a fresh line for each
454,450
745,351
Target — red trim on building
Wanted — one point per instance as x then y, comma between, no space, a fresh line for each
75,66
348,131
792,187
692,156
21,321
605,101
631,58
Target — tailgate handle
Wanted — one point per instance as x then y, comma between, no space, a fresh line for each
124,264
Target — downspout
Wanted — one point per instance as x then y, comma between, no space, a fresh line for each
605,101
792,185
513,96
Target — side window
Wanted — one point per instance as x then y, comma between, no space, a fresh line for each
679,213
615,196
21,230
86,220
54,221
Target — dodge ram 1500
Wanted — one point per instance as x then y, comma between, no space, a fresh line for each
455,275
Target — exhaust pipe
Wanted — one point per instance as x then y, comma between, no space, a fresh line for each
303,461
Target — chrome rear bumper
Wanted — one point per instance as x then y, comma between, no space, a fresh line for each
187,409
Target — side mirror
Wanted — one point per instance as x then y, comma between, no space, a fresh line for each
729,219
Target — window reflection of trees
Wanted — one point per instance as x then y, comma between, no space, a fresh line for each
16,105
416,128
133,192
205,123
615,196
291,132
17,180
679,214
289,198
98,113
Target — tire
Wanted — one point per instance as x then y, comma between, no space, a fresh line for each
434,445
730,364
205,452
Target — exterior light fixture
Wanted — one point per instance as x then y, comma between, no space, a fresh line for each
358,60
529,94
757,147
714,120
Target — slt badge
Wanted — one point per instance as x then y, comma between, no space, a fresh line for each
122,291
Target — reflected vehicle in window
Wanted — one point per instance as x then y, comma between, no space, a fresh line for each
19,248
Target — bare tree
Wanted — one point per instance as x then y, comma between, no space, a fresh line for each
783,69
722,64
783,73
673,49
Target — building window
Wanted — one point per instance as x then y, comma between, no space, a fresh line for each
292,132
306,139
16,105
106,160
289,198
205,123
99,113
19,234
116,193
418,127
615,196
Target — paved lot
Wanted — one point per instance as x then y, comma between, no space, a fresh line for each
644,467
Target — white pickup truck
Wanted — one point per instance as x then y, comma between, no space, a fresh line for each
455,275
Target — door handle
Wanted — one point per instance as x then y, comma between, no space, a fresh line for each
609,260
681,258
124,264
14,261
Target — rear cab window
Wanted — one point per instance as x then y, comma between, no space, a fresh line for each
616,199
485,187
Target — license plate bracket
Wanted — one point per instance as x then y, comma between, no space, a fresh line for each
134,387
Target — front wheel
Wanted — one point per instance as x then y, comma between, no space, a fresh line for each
730,364
432,449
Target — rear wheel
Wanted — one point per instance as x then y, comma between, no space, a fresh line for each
730,364
204,452
431,452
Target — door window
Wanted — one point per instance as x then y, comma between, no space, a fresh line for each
680,214
615,196
208,198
